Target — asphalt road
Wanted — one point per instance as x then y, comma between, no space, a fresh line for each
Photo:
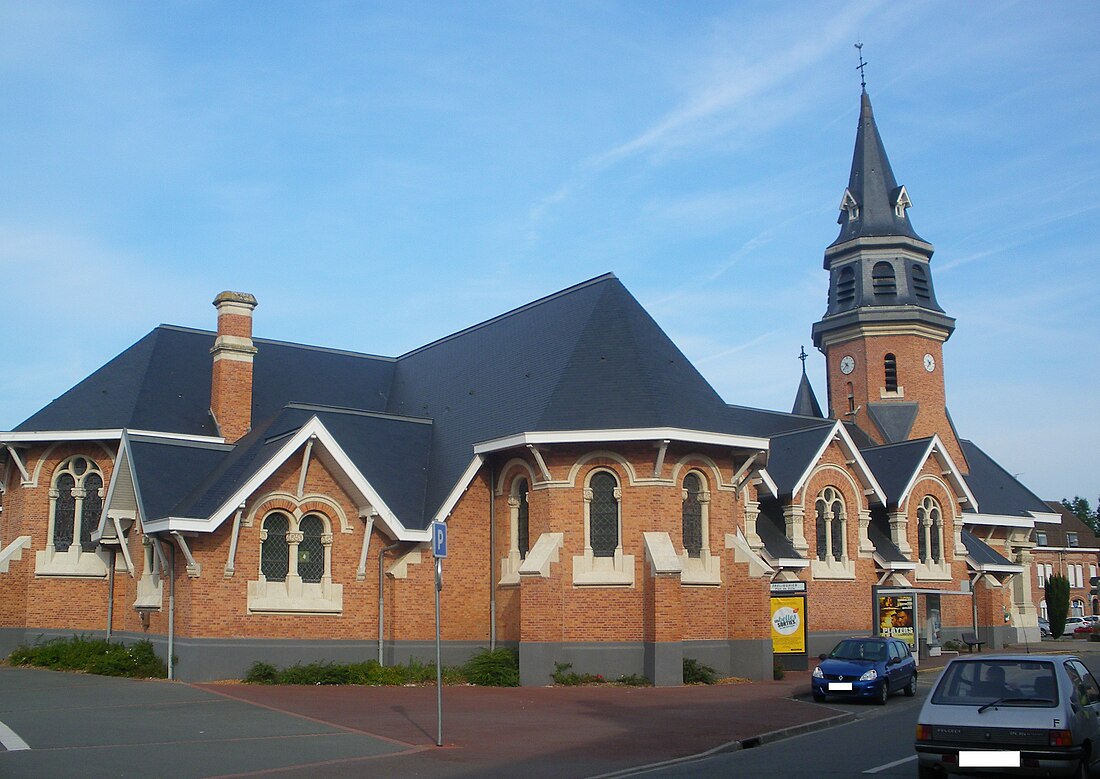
878,742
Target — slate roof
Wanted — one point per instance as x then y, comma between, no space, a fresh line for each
895,464
1056,534
790,455
162,383
771,528
878,531
873,186
805,401
586,358
995,489
982,553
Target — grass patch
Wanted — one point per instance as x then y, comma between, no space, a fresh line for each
94,656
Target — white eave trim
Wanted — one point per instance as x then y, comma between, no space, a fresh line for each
314,428
618,435
996,519
953,473
1066,549
993,567
99,435
838,433
1050,519
893,565
456,493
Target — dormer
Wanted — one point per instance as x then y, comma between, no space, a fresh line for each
848,203
901,202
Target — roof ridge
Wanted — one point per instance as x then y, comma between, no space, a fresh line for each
278,342
356,412
507,314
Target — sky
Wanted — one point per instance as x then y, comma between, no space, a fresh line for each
380,175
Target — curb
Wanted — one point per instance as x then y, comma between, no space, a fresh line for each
736,746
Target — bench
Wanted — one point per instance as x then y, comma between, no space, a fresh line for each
971,641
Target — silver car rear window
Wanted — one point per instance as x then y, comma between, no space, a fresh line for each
1029,683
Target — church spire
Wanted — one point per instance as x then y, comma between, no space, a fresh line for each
873,205
805,402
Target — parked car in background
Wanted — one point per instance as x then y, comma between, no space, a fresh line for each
1044,628
1072,623
869,668
1010,715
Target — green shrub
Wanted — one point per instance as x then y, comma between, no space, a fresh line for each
777,671
632,680
262,673
1056,594
499,668
952,645
697,673
95,656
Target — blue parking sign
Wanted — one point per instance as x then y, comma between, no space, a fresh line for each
439,539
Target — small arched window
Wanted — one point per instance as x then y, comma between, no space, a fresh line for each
311,552
890,368
846,287
692,515
883,280
77,503
930,528
831,526
274,547
604,514
851,399
523,519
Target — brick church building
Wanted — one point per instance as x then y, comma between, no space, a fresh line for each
241,499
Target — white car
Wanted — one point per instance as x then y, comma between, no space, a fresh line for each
998,715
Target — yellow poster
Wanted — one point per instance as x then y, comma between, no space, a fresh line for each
789,625
895,618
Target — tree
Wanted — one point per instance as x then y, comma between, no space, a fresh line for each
1080,507
1057,596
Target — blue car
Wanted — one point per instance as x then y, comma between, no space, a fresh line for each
868,668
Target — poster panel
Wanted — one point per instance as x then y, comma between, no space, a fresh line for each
788,625
932,619
897,617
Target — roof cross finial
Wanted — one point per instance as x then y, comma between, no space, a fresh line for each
803,357
861,66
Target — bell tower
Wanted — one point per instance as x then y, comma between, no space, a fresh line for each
883,331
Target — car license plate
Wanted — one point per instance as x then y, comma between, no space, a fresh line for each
989,759
840,686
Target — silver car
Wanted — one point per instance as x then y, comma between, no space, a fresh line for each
1021,715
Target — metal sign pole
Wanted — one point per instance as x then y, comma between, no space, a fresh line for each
438,660
439,551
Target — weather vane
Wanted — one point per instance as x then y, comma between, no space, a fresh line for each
861,66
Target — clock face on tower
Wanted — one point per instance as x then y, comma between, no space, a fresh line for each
929,363
848,364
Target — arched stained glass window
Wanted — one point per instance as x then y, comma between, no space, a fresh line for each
275,550
91,511
523,519
930,530
311,554
692,515
604,515
76,503
831,525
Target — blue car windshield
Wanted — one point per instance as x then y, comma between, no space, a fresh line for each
1029,683
854,649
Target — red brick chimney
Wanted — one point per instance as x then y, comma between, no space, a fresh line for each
231,387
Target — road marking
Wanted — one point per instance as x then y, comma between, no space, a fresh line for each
876,769
10,739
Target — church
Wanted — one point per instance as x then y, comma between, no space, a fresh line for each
236,499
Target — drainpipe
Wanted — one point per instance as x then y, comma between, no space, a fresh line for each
110,596
171,610
381,594
492,560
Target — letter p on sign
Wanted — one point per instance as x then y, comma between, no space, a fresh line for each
439,539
